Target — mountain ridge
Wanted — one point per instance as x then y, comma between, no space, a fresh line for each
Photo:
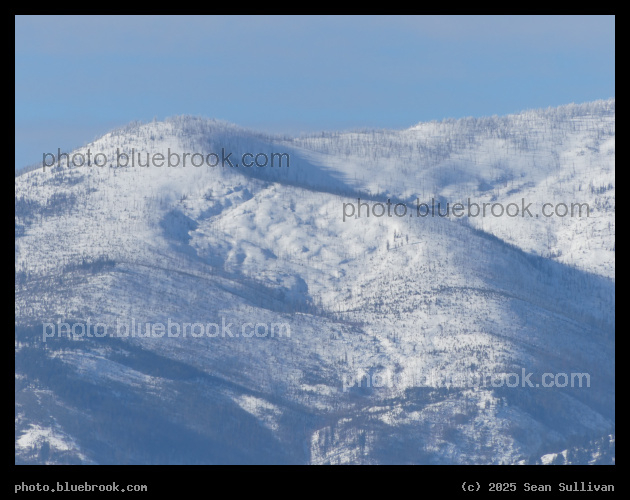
263,246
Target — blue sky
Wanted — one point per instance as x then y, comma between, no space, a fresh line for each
77,77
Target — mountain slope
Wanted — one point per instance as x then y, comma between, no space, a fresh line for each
405,305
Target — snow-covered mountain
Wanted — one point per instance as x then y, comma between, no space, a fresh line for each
382,311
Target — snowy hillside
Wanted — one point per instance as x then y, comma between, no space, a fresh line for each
383,301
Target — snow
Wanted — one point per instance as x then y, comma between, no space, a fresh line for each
271,246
